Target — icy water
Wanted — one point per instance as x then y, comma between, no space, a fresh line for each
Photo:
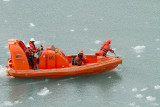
72,25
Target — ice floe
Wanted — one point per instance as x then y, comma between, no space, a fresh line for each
5,21
139,49
101,18
144,89
138,56
8,103
139,96
79,100
2,71
58,84
72,30
93,49
32,25
97,42
43,92
134,89
158,48
109,77
31,98
157,40
154,104
85,29
150,98
132,104
7,0
69,15
157,87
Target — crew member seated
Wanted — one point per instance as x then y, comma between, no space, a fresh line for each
81,58
32,46
29,55
105,48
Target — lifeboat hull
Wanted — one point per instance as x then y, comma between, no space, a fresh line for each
103,64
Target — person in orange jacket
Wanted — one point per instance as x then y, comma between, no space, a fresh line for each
32,46
81,58
29,55
105,48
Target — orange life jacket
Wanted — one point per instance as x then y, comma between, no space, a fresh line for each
33,47
105,48
28,52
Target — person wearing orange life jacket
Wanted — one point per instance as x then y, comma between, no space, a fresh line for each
32,46
29,55
105,48
81,58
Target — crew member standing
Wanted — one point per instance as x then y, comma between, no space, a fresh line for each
33,48
105,48
81,58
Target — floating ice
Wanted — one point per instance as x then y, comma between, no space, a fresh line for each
79,100
5,21
32,25
43,92
139,96
37,42
101,18
17,102
138,56
157,40
69,15
150,98
146,23
85,29
93,49
31,98
132,104
7,104
109,77
58,84
2,71
154,104
157,87
72,30
46,80
144,89
6,0
134,89
97,41
158,48
139,49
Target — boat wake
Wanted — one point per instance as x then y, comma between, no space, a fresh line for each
3,71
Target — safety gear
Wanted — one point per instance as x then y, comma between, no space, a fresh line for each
33,47
105,48
81,58
28,52
32,40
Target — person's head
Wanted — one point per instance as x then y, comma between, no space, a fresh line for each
108,41
81,51
32,40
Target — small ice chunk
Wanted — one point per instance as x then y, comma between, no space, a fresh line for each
154,104
139,96
150,98
6,0
46,80
158,48
79,100
101,18
69,15
144,89
134,89
138,56
132,104
157,40
32,25
146,23
43,92
109,77
114,49
17,102
5,21
72,30
85,29
97,41
7,103
139,49
157,87
58,84
2,71
31,98
37,42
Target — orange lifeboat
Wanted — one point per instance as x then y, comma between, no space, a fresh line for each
55,63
